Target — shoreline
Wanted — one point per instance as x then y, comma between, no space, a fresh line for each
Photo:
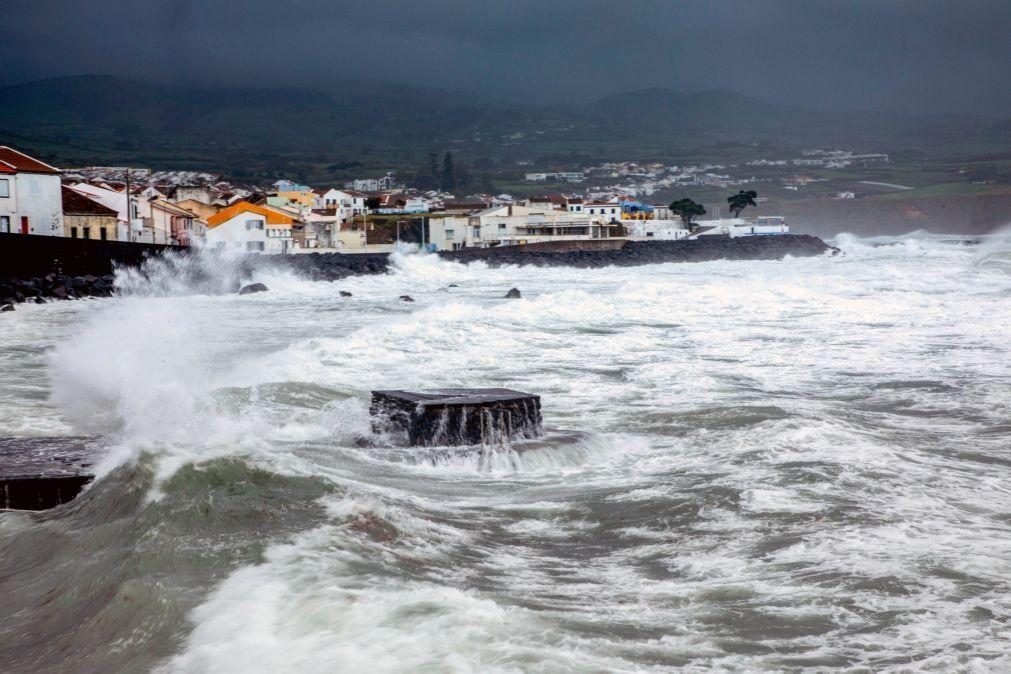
335,266
42,288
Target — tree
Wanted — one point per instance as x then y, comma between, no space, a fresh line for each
741,200
448,183
372,203
433,170
688,210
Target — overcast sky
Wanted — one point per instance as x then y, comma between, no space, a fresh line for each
936,55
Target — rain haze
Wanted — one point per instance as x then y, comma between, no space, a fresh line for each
893,54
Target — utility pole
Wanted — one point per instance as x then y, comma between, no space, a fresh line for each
129,212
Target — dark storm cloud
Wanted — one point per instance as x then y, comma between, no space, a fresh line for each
906,54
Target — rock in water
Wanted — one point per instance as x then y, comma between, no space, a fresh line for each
513,294
453,417
345,293
253,288
407,298
7,307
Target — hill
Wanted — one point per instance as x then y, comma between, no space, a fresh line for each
256,133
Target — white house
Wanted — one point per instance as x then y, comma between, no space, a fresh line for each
657,230
249,228
348,202
140,225
512,224
31,201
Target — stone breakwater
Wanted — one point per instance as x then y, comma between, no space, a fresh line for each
333,266
54,287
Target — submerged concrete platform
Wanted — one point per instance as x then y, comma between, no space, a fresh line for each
445,417
42,473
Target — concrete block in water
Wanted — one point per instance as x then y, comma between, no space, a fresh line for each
440,417
42,473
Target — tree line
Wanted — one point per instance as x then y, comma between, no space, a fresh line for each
688,209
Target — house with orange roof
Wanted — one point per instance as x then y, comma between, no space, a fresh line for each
252,228
31,201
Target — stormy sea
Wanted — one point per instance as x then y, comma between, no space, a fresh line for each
783,466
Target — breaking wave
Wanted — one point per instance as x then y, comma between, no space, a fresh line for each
779,465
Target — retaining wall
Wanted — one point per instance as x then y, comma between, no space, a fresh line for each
32,256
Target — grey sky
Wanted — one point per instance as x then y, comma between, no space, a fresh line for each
897,54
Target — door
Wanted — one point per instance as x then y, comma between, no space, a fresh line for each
24,224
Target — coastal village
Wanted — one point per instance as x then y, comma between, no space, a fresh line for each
367,215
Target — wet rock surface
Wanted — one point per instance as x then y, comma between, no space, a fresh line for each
334,266
54,286
253,288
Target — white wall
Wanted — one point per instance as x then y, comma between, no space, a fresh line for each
233,235
658,230
35,196
9,222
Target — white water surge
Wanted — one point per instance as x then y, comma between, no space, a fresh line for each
749,465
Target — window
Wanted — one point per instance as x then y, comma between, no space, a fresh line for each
5,224
87,232
73,232
254,246
5,189
103,234
501,226
254,224
449,234
477,232
34,187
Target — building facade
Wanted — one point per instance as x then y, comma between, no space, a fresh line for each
31,201
249,228
84,218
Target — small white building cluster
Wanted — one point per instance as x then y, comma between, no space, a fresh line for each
186,208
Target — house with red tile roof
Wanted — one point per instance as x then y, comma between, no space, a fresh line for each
84,218
30,197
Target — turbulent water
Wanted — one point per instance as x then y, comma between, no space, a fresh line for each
747,466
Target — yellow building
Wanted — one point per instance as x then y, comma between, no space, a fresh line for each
87,219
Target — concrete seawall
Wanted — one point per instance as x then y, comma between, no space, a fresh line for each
25,256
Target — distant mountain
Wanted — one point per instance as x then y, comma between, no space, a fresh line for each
263,131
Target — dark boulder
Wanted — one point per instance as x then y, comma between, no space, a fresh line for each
253,288
513,294
406,298
345,293
39,300
7,307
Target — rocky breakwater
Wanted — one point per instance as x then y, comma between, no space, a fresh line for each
335,266
634,253
53,287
